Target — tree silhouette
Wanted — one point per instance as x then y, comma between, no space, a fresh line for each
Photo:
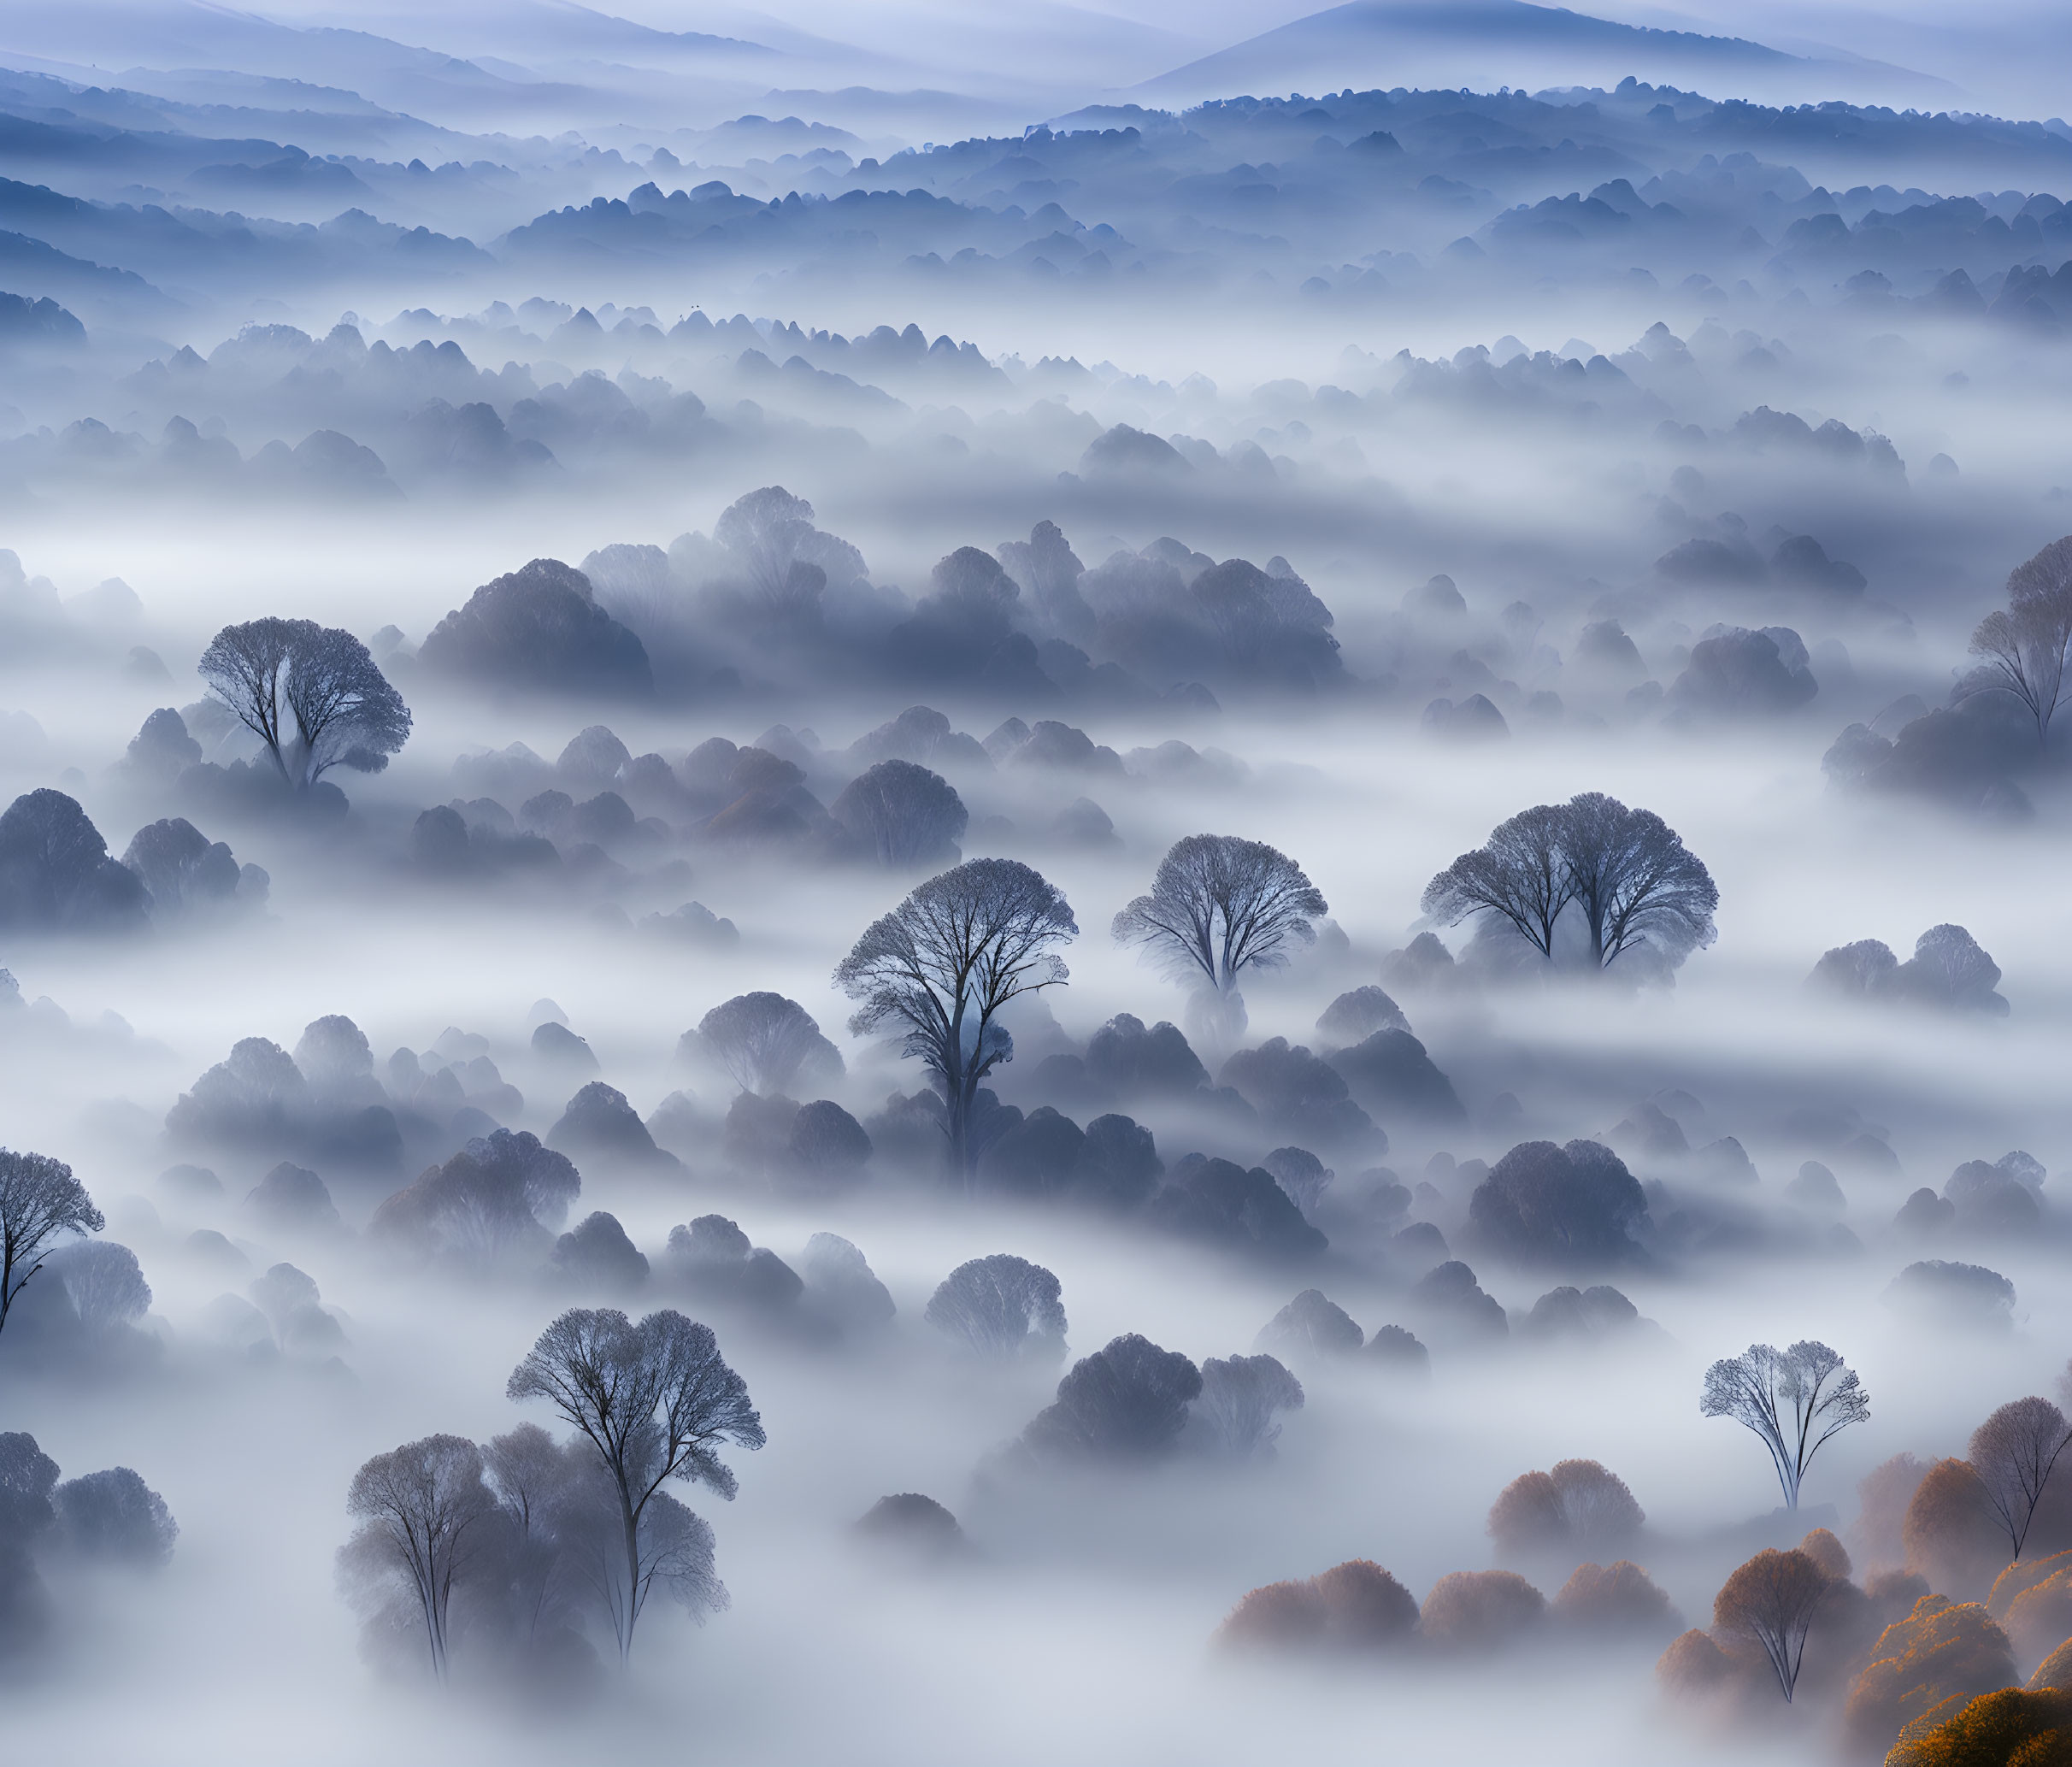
939,968
1793,1399
1626,872
901,814
655,1400
2024,646
40,1200
426,1507
1219,906
1000,1305
765,1042
1769,1602
2012,1452
310,694
1519,874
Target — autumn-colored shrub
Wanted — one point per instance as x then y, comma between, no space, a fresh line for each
1950,1534
2055,1671
2023,1574
2007,1729
1577,1504
1766,1609
1356,1606
1275,1617
2039,1618
1827,1552
1527,1515
1364,1605
1616,1600
1694,1664
1481,1610
1942,1649
1883,1494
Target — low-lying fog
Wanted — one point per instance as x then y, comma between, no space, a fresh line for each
1345,477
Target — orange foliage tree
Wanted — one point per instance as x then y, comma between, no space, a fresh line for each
1616,1599
1767,1606
1578,1503
1480,1610
1353,1606
2008,1728
2013,1452
1941,1651
1952,1535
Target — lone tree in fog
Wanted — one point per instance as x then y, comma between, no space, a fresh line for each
2023,647
1770,1602
939,968
40,1200
765,1042
1794,1399
1626,872
426,1507
655,1400
1220,906
901,814
311,693
2013,1452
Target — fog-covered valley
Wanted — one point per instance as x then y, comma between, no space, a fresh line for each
915,884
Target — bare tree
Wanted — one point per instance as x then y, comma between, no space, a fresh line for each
903,815
941,966
765,1042
655,1400
1633,878
40,1200
1001,1305
2013,1452
311,694
424,1506
1793,1399
1770,1602
2024,646
1219,906
1519,874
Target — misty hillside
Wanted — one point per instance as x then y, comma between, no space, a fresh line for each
935,883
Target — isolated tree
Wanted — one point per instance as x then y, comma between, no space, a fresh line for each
1770,1602
310,694
40,1200
2012,1452
1519,874
1634,879
1001,1305
425,1508
1240,1399
901,814
1793,1399
655,1400
2023,647
765,1043
940,967
1220,906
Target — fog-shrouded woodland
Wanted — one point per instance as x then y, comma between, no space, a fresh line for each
906,885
